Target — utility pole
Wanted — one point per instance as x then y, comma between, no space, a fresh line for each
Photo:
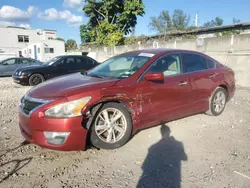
196,19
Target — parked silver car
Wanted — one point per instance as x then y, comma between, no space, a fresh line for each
8,66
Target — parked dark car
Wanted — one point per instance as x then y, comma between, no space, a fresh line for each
126,93
8,66
57,66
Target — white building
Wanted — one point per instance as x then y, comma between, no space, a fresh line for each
37,44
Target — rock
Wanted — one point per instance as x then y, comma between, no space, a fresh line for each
137,162
234,154
130,173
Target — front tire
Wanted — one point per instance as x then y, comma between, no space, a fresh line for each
112,126
217,102
36,79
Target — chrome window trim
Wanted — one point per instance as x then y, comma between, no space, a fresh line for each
43,101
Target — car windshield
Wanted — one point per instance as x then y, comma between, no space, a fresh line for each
120,67
51,61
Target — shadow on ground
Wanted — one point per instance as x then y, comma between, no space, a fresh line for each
162,166
13,165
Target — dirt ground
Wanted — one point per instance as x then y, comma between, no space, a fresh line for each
201,151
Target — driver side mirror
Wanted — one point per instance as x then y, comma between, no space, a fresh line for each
154,76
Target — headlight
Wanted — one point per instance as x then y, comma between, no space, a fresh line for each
68,109
20,73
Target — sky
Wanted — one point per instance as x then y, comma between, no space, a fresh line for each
65,16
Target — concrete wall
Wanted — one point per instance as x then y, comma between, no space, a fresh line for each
233,51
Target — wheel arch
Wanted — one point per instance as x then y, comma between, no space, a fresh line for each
36,73
94,108
224,86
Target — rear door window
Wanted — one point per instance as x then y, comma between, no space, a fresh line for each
70,63
26,61
210,63
80,61
193,62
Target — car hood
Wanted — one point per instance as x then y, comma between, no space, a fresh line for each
70,84
31,67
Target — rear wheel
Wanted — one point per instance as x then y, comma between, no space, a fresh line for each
217,102
112,126
36,79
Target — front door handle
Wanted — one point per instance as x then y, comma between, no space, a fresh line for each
183,83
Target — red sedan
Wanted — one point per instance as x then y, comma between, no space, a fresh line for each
124,94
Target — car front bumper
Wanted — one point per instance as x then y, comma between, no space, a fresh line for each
33,130
23,80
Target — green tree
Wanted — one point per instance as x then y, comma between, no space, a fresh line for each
235,21
164,22
213,23
85,37
70,45
180,20
110,19
59,38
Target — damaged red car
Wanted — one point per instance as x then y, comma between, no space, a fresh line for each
126,93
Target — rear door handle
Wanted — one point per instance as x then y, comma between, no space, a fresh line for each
183,83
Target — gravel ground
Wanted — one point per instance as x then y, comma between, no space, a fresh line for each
201,151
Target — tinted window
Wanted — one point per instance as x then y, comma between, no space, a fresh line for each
168,65
59,62
81,61
70,60
90,62
67,62
210,63
9,62
193,62
27,61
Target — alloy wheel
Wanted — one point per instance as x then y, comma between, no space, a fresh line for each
219,101
110,125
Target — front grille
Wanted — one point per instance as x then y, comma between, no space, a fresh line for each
28,106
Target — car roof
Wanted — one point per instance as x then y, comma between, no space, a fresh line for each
19,58
72,56
157,51
75,56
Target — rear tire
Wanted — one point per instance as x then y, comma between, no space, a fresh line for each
217,102
36,79
111,127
